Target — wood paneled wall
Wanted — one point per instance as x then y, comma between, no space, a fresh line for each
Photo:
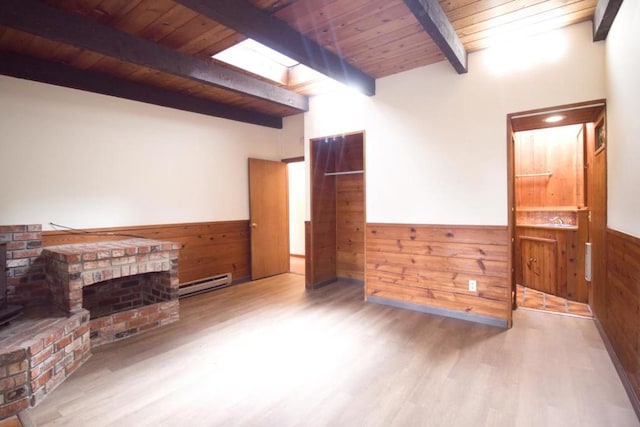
308,259
350,208
558,151
430,265
323,216
622,302
350,226
208,248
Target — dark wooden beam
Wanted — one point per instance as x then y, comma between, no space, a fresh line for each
605,14
255,23
24,67
52,23
435,22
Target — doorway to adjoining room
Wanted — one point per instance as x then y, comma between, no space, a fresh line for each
296,216
552,189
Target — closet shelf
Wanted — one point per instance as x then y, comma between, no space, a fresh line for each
343,173
528,175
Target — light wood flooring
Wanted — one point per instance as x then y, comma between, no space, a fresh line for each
296,264
267,353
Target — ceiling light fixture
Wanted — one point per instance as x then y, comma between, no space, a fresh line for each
554,119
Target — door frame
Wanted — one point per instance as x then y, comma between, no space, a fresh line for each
576,113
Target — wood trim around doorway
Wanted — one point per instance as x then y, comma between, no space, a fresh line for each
581,112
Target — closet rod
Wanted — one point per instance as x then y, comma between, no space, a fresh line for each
527,175
343,173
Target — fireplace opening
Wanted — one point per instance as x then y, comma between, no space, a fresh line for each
122,294
129,286
7,312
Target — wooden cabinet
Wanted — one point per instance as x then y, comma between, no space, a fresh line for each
551,259
538,259
549,167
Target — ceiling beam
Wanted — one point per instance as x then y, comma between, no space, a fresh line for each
605,14
52,23
24,67
435,22
255,23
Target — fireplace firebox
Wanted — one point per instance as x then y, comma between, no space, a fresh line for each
7,312
128,286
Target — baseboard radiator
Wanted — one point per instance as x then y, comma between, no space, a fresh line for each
204,285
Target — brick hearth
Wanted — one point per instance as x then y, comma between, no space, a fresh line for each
45,345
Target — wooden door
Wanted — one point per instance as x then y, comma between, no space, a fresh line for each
539,265
597,195
511,197
269,219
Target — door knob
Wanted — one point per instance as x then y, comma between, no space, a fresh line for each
254,225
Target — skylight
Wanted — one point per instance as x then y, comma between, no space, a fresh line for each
258,59
265,62
251,45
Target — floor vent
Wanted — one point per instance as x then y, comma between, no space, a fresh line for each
204,285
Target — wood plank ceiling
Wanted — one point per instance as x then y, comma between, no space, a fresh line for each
159,51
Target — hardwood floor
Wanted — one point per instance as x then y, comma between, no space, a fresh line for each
296,264
267,353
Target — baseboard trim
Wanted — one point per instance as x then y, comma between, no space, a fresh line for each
351,281
321,284
633,398
239,280
471,317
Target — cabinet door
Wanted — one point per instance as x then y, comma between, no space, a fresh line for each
538,260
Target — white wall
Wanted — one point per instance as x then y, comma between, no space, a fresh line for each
291,137
623,107
297,195
436,141
87,160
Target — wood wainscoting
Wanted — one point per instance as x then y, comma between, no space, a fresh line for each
207,248
430,266
622,301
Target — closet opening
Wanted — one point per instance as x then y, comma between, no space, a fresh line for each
335,243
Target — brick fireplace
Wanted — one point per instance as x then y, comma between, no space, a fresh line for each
128,286
45,345
76,297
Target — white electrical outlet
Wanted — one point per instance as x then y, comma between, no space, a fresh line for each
473,285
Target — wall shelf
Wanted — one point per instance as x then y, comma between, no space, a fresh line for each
343,173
